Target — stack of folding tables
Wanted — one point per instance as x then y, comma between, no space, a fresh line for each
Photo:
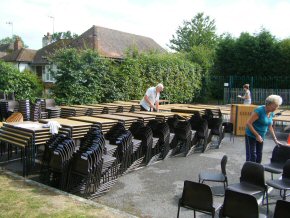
53,112
91,110
129,106
126,120
76,128
106,108
27,136
67,111
104,124
142,117
162,116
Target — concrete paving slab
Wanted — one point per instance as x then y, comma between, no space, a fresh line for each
153,191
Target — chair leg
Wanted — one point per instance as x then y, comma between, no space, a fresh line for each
267,201
284,196
194,214
178,211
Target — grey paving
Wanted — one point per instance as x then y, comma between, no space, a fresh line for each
153,191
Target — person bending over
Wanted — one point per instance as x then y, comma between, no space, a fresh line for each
257,127
150,101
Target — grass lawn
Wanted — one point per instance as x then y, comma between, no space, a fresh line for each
19,199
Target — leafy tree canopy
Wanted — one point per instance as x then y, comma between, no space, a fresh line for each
199,31
11,40
63,35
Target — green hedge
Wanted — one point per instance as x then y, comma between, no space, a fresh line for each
84,77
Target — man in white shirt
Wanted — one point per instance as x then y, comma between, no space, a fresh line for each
151,98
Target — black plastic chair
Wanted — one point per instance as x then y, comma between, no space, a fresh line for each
280,155
282,209
216,177
239,205
197,197
282,184
252,181
229,128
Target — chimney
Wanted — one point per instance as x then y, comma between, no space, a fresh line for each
18,44
46,40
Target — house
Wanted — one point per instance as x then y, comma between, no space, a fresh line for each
21,57
107,42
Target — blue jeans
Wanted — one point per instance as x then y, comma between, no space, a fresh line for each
254,150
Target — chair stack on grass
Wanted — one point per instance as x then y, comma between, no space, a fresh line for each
55,163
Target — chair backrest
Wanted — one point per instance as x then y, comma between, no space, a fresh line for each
280,154
253,173
223,164
286,170
15,117
237,204
197,195
282,209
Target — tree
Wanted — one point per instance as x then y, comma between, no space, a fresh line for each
251,55
63,35
25,85
199,31
11,40
82,77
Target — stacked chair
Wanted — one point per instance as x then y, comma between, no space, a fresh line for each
161,137
183,138
138,155
200,125
56,158
24,108
145,134
86,169
7,108
118,135
215,127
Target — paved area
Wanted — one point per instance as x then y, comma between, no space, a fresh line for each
153,191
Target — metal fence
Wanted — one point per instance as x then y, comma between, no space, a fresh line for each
228,87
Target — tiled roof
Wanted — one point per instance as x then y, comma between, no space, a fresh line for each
107,42
113,43
43,53
21,55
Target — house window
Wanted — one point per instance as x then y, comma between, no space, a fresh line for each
48,76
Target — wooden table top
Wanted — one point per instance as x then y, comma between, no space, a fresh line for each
116,117
66,122
88,106
27,125
93,119
132,114
165,113
282,118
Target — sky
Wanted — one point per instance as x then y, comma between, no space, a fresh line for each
157,19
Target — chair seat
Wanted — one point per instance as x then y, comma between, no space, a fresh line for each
279,184
274,167
211,176
246,188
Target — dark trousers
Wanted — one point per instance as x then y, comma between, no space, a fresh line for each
254,149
